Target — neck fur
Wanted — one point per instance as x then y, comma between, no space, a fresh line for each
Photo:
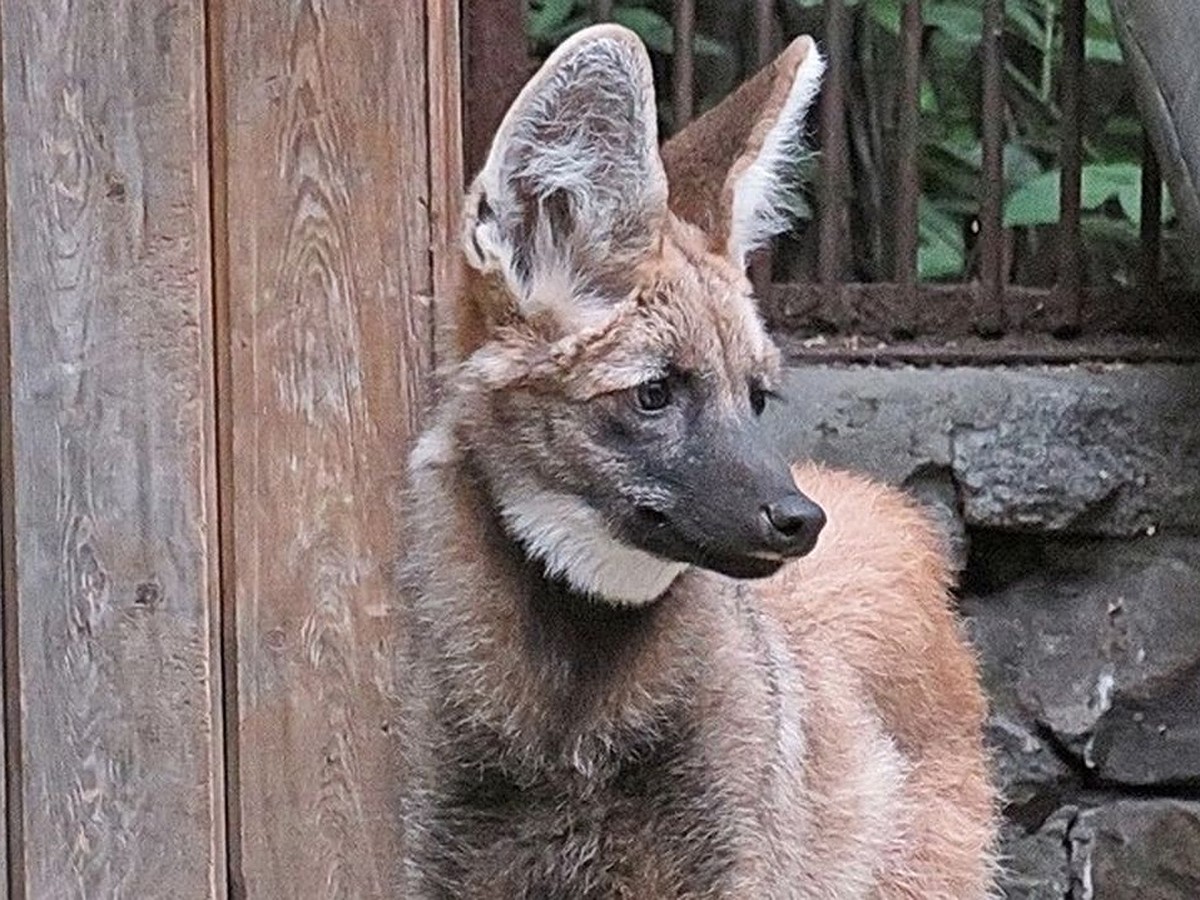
550,671
570,538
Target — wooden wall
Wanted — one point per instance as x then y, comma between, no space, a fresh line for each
227,223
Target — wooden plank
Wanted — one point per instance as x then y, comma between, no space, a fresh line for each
108,286
445,171
328,218
9,707
497,66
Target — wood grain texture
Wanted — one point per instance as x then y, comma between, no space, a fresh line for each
445,172
108,285
327,155
9,707
497,65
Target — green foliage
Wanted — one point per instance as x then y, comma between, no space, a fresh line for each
1036,201
942,249
951,167
550,21
950,102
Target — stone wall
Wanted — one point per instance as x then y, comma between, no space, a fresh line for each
1072,496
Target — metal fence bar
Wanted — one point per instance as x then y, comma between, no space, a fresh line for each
833,146
992,318
1071,158
602,10
948,311
908,178
764,28
683,65
1151,229
762,260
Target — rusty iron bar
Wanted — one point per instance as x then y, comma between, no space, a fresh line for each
1151,229
834,160
602,10
992,318
684,64
1071,156
1003,352
764,28
949,310
908,177
762,260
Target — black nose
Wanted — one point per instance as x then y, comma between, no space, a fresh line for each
795,523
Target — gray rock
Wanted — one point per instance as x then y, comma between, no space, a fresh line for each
1136,850
1101,648
1087,450
1036,865
934,487
1027,770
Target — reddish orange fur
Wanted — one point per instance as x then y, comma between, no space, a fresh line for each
836,704
876,592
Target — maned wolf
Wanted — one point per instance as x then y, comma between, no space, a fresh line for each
626,680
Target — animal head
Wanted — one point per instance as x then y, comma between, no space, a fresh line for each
615,365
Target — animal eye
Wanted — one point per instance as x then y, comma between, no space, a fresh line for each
758,399
653,395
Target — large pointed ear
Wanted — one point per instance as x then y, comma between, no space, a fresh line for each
730,170
573,190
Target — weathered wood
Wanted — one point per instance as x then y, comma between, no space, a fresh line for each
108,286
445,171
498,64
328,215
9,708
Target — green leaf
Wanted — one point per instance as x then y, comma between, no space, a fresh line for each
886,14
1020,165
568,28
1103,50
940,252
1103,181
648,25
658,33
1100,11
546,18
1100,36
1124,126
960,21
1037,201
1028,26
707,46
1130,198
929,97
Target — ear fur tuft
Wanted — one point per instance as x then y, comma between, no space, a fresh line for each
756,186
573,188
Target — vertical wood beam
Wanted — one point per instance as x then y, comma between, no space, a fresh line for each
339,183
112,508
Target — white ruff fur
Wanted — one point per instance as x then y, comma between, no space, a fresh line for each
573,542
758,194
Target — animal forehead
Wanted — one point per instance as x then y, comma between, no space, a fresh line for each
714,334
712,320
